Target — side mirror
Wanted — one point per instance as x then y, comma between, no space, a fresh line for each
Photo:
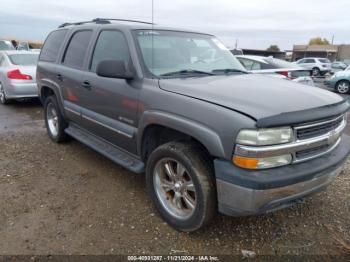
113,69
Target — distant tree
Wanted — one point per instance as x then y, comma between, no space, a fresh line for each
273,48
318,41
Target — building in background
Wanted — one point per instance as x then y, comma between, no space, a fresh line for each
332,52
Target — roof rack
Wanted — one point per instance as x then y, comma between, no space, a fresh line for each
104,21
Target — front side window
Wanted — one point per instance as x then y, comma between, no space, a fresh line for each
164,52
52,45
309,61
77,48
111,45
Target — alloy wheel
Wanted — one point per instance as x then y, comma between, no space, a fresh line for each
52,119
343,87
174,188
2,94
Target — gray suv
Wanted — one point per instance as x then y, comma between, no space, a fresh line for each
177,106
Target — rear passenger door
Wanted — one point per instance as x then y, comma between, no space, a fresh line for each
70,73
110,104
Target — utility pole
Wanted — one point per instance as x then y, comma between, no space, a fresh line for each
332,39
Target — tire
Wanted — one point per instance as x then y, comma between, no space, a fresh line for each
196,185
54,121
343,87
3,99
316,71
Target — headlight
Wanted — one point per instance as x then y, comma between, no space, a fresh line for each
263,137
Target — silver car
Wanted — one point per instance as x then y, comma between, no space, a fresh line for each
18,75
319,66
276,68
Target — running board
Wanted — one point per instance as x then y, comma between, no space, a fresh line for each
108,150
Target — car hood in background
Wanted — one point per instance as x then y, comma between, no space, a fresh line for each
255,95
342,73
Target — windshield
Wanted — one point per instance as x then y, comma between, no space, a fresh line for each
167,52
6,45
24,59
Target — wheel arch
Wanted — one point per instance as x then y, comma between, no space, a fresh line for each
156,128
49,88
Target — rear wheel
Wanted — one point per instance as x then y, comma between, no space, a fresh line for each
343,87
3,99
181,184
54,121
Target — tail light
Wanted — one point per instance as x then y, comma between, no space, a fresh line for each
17,75
286,74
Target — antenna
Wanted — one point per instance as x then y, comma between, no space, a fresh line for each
152,34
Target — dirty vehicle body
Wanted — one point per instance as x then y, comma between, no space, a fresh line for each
178,106
18,75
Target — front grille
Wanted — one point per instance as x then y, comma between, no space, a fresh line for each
320,129
311,152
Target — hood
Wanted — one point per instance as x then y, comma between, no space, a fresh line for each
345,73
255,95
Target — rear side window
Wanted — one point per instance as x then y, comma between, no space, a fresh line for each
324,60
53,43
77,48
111,45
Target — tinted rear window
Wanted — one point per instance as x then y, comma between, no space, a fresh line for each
52,46
24,59
77,47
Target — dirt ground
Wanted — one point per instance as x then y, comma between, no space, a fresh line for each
67,199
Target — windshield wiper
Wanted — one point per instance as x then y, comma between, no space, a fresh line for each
229,70
187,72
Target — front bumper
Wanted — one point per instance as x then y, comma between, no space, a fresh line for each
244,192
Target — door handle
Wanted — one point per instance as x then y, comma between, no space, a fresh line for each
86,84
59,77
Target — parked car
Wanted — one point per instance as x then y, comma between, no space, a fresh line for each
6,45
340,81
17,75
276,68
208,135
26,46
319,66
338,66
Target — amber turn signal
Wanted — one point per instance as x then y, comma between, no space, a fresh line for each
244,162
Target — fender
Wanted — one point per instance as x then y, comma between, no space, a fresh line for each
202,133
56,89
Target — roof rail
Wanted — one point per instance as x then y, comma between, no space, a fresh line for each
103,21
121,20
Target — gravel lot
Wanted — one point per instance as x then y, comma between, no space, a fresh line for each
67,199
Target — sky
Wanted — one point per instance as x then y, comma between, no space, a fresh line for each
252,23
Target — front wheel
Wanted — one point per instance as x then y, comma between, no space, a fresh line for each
181,184
343,87
54,121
